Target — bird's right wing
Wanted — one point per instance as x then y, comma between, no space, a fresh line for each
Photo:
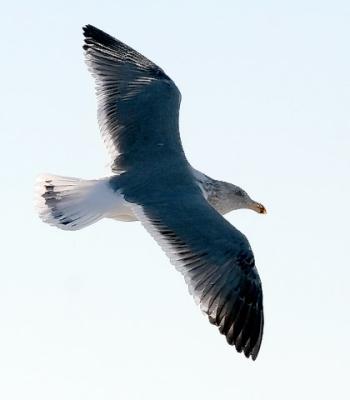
138,104
217,263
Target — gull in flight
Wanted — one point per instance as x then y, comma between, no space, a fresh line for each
152,182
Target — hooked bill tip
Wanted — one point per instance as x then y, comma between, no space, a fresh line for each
259,208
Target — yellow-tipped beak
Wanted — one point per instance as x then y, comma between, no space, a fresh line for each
259,208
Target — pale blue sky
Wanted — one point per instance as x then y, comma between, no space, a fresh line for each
100,313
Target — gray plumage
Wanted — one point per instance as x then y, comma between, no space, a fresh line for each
152,181
138,104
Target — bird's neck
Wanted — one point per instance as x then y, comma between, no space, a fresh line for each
213,191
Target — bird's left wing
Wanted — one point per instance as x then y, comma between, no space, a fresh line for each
216,261
138,104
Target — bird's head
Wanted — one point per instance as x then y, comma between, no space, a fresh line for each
230,197
240,199
225,196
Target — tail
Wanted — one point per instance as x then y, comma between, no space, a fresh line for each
72,203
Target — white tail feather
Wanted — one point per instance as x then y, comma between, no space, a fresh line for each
72,203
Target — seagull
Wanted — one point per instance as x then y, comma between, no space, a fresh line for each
151,181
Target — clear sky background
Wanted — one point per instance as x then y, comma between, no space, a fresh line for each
100,313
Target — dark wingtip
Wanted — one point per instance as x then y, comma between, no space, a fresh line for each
95,40
246,330
95,35
88,30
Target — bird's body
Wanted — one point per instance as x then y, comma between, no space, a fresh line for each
152,181
217,193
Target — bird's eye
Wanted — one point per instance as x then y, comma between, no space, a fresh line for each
240,193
